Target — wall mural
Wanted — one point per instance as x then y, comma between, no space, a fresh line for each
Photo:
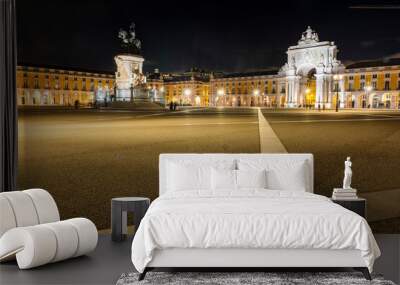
88,136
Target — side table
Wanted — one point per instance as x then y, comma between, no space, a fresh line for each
357,205
119,209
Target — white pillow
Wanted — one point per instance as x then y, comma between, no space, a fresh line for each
292,178
251,178
281,174
184,178
223,179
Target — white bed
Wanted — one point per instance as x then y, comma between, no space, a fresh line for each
248,227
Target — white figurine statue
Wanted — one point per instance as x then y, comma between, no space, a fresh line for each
348,173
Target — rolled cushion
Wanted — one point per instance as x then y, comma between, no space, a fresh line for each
87,235
67,240
46,207
37,245
7,218
23,208
33,246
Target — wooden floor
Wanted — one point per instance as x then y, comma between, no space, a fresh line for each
110,260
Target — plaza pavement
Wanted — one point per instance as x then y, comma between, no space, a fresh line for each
372,140
86,157
269,141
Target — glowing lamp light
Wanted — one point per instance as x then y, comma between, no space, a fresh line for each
162,89
308,90
368,88
256,92
197,100
338,77
187,92
220,92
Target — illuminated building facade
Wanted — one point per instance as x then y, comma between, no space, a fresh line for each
187,89
313,78
43,86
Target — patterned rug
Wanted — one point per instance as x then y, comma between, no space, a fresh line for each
243,278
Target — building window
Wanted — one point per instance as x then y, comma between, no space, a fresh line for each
362,85
25,82
398,85
387,75
374,85
84,84
387,87
66,83
374,76
362,76
351,77
350,86
36,83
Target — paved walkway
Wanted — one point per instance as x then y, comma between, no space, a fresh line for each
269,141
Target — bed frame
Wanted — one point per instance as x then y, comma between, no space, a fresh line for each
246,259
261,259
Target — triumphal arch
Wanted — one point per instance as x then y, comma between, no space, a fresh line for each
310,73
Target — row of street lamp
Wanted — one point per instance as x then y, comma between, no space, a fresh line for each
256,92
221,92
337,78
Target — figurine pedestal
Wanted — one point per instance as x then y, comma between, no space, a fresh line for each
344,194
345,190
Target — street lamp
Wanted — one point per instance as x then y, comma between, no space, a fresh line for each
308,90
187,92
256,92
368,89
220,93
337,78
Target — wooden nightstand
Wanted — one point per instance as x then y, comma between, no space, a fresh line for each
358,205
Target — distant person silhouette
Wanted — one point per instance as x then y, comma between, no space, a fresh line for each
171,106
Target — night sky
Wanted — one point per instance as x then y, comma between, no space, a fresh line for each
212,35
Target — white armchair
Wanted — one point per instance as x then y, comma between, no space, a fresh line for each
31,230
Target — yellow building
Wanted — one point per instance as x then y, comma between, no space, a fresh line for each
186,89
61,86
373,84
367,84
313,77
261,88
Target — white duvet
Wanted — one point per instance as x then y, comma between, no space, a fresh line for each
250,219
